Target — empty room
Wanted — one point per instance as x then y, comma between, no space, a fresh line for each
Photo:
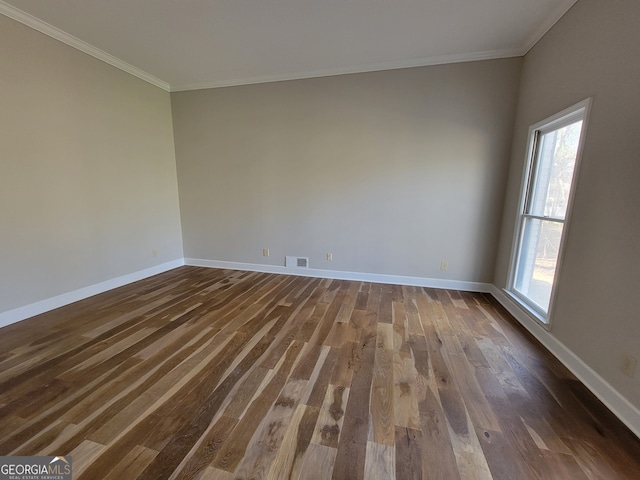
343,239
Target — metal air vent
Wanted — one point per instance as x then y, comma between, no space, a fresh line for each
297,262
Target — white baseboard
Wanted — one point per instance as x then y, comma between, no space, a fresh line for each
341,275
21,313
620,406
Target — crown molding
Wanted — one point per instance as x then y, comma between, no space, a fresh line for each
371,67
562,8
53,32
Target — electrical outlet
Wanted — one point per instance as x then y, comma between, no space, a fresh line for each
329,257
265,252
443,265
154,253
628,365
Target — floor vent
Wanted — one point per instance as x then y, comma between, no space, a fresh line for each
298,262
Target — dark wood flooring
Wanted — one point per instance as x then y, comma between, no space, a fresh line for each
214,374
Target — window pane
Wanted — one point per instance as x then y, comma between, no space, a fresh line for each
538,258
557,151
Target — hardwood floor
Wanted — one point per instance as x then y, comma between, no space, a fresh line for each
213,374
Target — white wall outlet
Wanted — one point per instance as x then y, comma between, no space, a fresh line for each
443,265
265,252
154,253
329,257
628,365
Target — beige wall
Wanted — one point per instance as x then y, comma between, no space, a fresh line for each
392,171
592,52
87,175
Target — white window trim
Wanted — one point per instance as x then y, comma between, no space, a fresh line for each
560,119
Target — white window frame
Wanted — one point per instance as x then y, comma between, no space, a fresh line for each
579,111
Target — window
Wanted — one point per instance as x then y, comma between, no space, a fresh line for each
552,160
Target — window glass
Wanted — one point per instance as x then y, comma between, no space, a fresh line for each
556,159
539,258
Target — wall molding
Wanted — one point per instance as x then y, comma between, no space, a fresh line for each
367,68
603,390
27,311
62,36
343,275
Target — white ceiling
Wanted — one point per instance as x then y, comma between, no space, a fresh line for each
188,44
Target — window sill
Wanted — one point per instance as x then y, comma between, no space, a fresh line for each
527,310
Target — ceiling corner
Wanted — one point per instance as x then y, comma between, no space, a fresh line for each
551,20
57,34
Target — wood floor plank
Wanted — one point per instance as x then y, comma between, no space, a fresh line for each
352,447
331,417
132,464
287,452
382,398
83,456
319,463
496,448
207,448
215,474
203,373
298,452
408,390
262,452
234,448
408,452
479,409
380,463
439,459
